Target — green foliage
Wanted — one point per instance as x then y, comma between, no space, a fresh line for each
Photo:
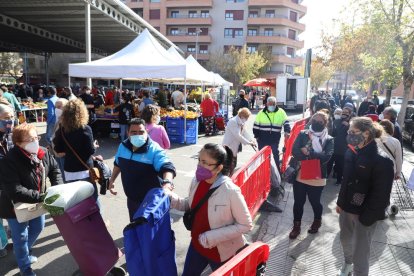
321,72
11,64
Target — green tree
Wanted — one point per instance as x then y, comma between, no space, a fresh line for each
320,72
11,64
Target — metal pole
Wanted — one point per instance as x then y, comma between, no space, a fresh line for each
185,111
88,38
47,69
26,69
197,33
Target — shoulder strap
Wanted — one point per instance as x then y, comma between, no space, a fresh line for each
203,200
267,115
73,151
388,149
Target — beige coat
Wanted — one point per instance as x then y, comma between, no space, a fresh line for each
228,216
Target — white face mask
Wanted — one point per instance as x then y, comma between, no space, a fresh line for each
381,117
337,116
32,147
157,120
58,113
243,120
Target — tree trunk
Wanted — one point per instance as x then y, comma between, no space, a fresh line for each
408,82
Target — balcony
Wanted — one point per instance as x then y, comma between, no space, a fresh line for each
187,19
199,56
188,3
188,38
278,3
277,20
281,58
136,4
263,38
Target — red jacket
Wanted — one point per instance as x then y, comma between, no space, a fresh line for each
209,107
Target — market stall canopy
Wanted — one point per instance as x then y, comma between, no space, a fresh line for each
143,58
193,73
260,82
202,73
218,80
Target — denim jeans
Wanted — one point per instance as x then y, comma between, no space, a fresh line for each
50,130
61,163
195,263
123,131
24,235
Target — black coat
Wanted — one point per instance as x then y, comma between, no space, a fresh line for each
19,179
339,132
303,140
367,183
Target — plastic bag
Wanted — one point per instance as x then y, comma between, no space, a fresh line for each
3,235
410,182
62,197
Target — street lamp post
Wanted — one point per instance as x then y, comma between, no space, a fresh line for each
198,31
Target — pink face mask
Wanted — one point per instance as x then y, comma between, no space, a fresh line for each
203,173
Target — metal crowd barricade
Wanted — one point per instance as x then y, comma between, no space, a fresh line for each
287,152
248,262
254,179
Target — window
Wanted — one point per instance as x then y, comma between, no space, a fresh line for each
295,1
290,52
292,34
293,16
192,31
174,31
251,48
234,1
155,1
270,14
154,14
228,32
174,14
205,14
289,69
203,31
192,14
268,32
234,15
203,49
253,14
238,32
191,48
252,32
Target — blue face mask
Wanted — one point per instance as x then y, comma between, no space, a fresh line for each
138,140
271,108
7,125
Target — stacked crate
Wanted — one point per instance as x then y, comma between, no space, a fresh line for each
175,130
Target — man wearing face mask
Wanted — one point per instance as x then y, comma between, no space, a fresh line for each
126,113
143,165
87,98
268,126
51,115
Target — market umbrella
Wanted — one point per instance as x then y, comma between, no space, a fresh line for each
259,82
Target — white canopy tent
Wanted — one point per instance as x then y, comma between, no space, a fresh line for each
143,58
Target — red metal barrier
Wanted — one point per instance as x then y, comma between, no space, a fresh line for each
254,179
246,262
296,129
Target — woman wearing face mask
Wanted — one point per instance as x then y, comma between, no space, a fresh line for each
60,103
23,174
209,108
339,132
74,127
236,135
157,133
364,195
6,126
219,224
314,143
126,113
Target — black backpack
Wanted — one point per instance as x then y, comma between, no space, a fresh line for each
236,106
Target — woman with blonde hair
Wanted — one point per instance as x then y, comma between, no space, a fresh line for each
364,195
74,132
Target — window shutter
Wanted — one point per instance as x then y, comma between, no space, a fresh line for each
154,14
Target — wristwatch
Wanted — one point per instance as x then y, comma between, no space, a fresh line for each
167,181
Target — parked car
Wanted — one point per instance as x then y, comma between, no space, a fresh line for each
397,100
408,128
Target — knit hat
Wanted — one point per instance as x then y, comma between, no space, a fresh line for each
349,105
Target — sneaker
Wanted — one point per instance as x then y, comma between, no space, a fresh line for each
345,270
3,253
28,272
33,259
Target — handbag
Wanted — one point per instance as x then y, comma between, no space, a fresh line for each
28,211
188,217
94,174
310,169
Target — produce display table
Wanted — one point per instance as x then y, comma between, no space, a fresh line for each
175,130
37,113
106,126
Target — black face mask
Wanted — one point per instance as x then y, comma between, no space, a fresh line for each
317,126
345,117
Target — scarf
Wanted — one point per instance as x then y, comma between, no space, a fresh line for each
318,139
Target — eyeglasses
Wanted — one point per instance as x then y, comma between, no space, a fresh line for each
354,132
204,163
32,139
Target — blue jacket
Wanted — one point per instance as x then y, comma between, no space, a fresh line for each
143,169
149,241
51,115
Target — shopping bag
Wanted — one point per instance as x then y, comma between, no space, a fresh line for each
3,236
28,211
410,182
310,169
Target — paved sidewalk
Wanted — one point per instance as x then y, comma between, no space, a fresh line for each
392,251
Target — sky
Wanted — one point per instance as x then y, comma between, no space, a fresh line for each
319,16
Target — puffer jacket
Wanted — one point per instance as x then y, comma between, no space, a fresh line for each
19,179
303,140
228,215
367,183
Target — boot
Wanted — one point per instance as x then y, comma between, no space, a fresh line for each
315,226
295,230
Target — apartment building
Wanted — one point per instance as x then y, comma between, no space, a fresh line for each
202,27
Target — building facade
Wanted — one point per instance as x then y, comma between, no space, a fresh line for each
204,27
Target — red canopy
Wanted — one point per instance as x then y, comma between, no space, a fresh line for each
260,82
